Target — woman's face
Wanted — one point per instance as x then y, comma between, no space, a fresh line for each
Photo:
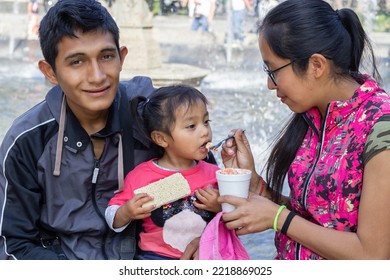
296,91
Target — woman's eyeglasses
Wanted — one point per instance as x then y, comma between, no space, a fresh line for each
271,74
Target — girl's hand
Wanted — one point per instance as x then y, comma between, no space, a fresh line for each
208,198
133,210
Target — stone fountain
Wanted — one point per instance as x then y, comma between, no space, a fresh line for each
144,58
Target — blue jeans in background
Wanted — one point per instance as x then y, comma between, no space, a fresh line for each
238,22
200,22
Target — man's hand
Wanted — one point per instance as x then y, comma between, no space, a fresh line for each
192,250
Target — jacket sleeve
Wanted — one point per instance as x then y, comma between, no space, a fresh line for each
20,198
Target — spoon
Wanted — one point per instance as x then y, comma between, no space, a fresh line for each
222,141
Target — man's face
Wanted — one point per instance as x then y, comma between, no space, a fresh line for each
87,70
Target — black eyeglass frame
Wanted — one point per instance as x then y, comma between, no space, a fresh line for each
271,74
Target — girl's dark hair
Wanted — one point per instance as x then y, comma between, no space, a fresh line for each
158,112
295,30
68,16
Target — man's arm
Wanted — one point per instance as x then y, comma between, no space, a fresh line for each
21,198
192,250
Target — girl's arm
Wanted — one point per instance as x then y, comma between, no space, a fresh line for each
132,210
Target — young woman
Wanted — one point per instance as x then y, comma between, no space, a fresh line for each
335,149
175,119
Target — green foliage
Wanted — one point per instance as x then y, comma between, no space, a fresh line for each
382,22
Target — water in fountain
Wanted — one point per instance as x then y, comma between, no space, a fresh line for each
368,10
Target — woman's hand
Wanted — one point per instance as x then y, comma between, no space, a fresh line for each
254,214
237,153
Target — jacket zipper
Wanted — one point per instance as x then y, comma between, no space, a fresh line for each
95,172
95,206
306,183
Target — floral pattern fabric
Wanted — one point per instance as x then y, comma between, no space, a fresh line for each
326,175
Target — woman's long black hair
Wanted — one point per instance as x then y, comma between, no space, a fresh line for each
297,29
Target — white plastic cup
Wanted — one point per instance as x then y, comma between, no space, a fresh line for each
233,181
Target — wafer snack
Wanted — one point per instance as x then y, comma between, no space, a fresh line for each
166,190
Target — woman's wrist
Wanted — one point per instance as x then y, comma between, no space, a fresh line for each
262,185
283,219
276,218
287,222
255,183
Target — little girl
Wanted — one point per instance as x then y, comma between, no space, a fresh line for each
176,120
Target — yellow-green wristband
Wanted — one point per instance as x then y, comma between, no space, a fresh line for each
277,217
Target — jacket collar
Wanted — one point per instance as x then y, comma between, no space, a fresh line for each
75,137
339,111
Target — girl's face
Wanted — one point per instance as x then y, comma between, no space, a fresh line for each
191,133
293,90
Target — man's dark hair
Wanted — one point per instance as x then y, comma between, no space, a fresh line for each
68,16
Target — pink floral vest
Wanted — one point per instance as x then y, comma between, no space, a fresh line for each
326,175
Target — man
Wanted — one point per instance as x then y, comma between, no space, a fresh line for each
62,161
